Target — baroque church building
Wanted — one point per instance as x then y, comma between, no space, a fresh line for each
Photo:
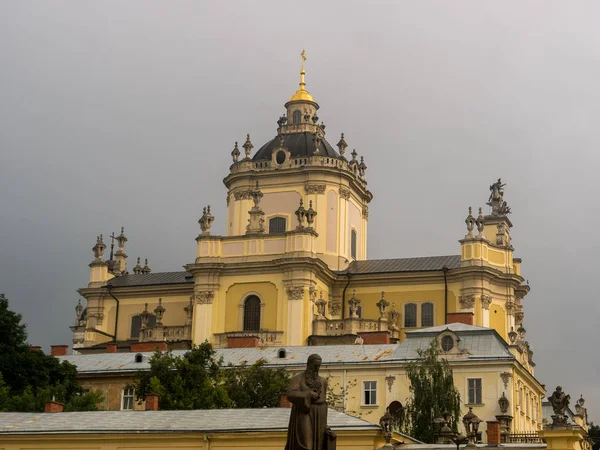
293,269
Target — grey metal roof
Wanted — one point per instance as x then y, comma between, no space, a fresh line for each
210,420
456,327
479,342
420,264
151,279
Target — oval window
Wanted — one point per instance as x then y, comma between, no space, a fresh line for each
280,157
447,343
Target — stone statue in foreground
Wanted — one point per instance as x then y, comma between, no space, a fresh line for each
307,393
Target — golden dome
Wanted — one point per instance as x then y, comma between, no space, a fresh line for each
302,94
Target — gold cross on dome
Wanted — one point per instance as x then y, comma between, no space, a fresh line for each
303,54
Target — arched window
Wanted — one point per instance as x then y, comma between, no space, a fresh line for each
277,225
353,244
252,313
427,315
136,325
297,117
410,315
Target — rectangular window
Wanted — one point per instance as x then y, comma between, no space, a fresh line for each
128,395
370,393
410,315
474,391
427,315
353,244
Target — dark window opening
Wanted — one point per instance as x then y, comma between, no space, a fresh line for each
297,117
353,244
281,353
410,315
139,357
277,225
280,157
447,343
427,315
252,313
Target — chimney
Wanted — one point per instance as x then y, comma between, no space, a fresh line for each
59,350
283,401
35,348
493,432
111,347
152,402
53,407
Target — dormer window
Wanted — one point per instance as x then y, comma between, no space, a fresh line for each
297,117
447,343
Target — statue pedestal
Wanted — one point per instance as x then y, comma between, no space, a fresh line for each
562,438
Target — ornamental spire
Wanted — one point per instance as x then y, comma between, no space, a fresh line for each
302,71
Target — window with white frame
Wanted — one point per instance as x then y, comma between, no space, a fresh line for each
369,393
128,395
474,391
427,315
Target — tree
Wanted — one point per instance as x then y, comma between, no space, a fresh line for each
594,433
432,394
338,397
29,378
255,386
198,380
193,381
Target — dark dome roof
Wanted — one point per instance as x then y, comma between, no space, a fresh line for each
298,144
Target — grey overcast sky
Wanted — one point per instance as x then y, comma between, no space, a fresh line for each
120,113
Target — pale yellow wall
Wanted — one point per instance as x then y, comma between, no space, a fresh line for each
111,388
235,295
332,226
347,440
498,319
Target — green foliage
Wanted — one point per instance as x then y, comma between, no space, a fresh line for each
594,432
198,381
432,394
255,386
28,378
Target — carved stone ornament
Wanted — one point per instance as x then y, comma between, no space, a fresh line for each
321,303
506,376
382,305
189,311
365,212
310,215
560,402
206,221
519,316
503,403
345,193
248,147
314,188
390,382
386,422
295,292
99,248
312,294
334,308
394,316
470,221
480,223
486,300
466,301
242,195
235,153
159,311
496,200
204,297
354,303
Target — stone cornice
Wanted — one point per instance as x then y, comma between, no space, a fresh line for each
157,290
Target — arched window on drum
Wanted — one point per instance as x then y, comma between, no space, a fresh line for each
252,313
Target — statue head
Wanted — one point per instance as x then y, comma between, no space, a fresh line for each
313,363
558,389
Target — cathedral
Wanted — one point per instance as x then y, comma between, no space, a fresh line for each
292,268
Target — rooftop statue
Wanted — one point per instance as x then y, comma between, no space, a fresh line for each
496,200
307,393
560,402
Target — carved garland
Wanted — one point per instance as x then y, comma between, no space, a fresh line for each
204,297
467,301
314,188
486,300
295,292
334,308
345,193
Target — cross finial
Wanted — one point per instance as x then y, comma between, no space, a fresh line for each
302,71
303,54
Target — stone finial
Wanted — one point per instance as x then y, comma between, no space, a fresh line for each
300,214
354,304
144,316
99,248
78,311
317,145
321,306
354,154
394,315
470,221
282,121
206,221
382,305
256,195
362,167
480,223
386,422
146,270
235,153
310,215
281,138
137,269
512,335
471,423
159,311
256,221
121,240
248,147
341,145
